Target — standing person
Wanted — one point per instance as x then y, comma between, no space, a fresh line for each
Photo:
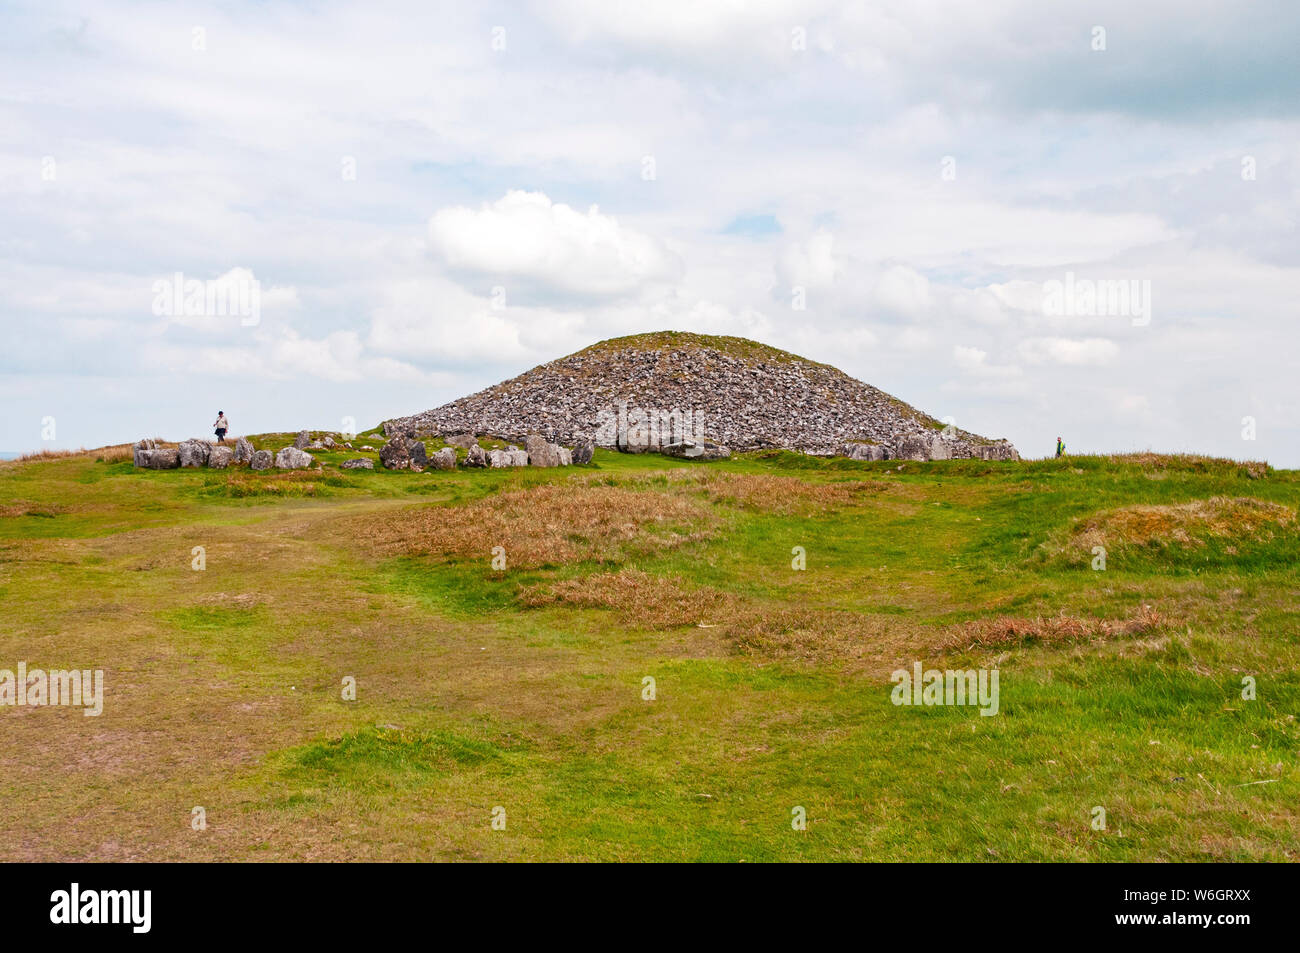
222,425
1060,447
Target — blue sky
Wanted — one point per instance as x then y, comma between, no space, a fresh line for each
531,178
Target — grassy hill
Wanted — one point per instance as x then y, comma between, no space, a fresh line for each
523,688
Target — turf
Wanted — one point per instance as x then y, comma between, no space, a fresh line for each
519,694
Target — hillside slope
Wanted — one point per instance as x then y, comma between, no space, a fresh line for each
738,392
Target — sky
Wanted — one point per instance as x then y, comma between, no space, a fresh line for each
428,198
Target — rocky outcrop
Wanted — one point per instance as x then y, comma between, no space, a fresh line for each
243,451
302,440
219,457
293,458
396,454
418,452
261,460
475,456
648,391
444,459
194,452
360,463
327,442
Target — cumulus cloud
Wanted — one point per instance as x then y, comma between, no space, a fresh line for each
526,235
1074,351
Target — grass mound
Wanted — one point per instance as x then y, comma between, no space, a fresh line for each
1192,524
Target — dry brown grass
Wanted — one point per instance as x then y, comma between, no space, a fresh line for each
1219,517
655,602
547,525
1188,461
1008,630
748,627
786,495
30,508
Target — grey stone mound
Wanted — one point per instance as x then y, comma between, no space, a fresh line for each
728,391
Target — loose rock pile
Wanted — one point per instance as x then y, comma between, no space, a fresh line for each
734,393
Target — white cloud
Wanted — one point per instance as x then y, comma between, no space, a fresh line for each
1073,351
526,235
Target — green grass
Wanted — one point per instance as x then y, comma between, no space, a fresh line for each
224,686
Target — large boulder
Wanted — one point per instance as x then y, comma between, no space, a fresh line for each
940,449
476,456
914,447
147,443
219,457
419,453
462,440
194,453
540,452
444,459
162,458
396,454
243,451
998,450
360,463
261,460
583,449
302,439
327,442
864,451
510,457
292,458
696,450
